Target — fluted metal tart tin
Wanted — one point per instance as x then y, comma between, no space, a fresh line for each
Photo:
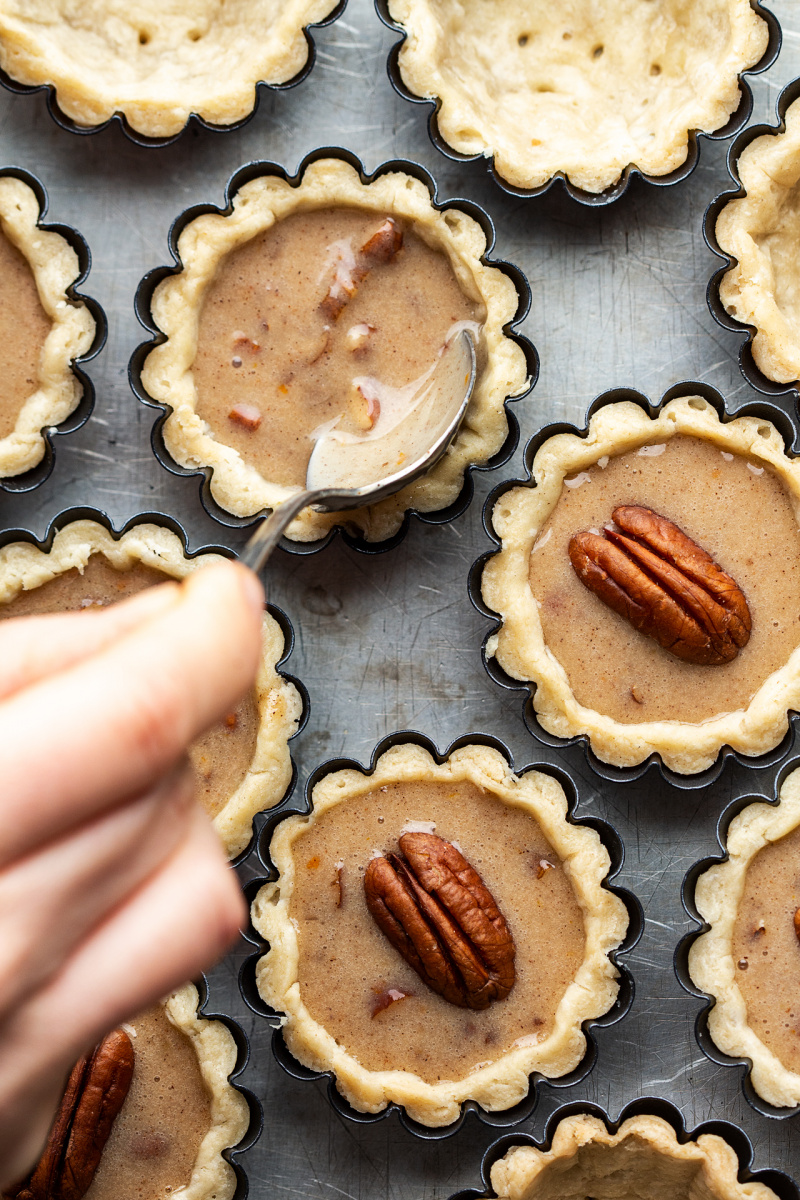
84,513
761,409
736,122
754,376
118,120
498,1119
38,474
704,1039
645,1106
150,282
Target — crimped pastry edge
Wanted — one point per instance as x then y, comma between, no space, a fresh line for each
23,567
519,646
166,373
505,1082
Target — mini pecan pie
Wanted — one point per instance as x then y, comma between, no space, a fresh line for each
760,231
643,1158
464,920
166,1113
325,304
586,89
157,64
42,330
689,597
749,960
241,765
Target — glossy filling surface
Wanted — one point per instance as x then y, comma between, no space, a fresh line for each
766,950
154,1143
222,755
269,347
737,511
339,941
24,326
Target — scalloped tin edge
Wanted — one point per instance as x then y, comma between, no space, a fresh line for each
747,365
681,956
762,409
37,475
524,1109
783,1186
735,123
193,120
151,280
86,513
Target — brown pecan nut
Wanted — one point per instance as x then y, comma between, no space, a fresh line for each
439,915
653,574
96,1091
381,247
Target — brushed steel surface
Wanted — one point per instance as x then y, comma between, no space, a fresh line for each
391,641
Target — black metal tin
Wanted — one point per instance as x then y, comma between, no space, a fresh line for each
69,515
681,960
38,474
751,372
736,122
645,1106
140,139
761,409
520,1112
255,170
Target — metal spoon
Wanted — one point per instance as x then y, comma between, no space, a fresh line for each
351,470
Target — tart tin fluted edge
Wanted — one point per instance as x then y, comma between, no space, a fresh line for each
193,121
752,373
645,1106
80,415
153,278
681,958
84,513
735,123
762,410
524,1109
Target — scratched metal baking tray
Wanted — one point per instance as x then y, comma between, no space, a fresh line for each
391,641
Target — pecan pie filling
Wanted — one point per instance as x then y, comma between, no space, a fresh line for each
24,326
332,315
383,1010
221,756
718,609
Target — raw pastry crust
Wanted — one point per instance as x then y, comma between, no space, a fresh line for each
585,89
23,566
718,895
55,266
177,301
748,229
156,63
644,1158
505,1082
519,645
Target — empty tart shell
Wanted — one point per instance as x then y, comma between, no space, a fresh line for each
157,65
585,91
329,183
501,1079
276,703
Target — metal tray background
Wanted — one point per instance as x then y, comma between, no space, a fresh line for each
391,641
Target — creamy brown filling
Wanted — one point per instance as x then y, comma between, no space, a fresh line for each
156,1137
736,510
24,326
270,351
424,1033
766,950
222,755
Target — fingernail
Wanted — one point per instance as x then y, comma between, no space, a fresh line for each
252,589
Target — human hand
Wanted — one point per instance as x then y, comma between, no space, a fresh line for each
113,886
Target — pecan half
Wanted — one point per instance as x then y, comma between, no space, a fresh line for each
653,574
96,1091
439,915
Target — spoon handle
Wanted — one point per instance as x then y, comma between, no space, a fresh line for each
270,530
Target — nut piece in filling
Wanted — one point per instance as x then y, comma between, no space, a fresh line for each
24,326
